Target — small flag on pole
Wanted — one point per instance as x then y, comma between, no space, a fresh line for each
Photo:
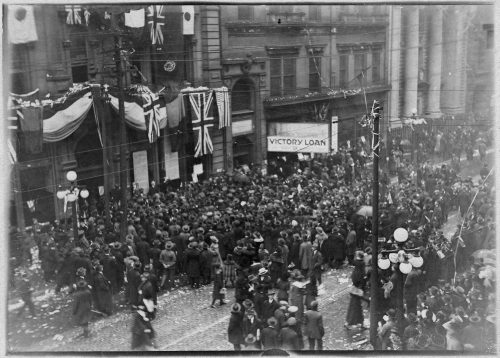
223,106
188,20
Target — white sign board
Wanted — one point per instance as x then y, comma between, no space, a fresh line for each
172,165
198,169
242,127
297,145
335,134
141,176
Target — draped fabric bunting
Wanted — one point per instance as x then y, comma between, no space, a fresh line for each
201,103
73,16
66,121
223,106
135,113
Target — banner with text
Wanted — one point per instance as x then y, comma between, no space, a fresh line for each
297,145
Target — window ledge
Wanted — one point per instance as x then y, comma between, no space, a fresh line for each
242,112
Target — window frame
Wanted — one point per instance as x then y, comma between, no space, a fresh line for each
251,12
315,75
343,72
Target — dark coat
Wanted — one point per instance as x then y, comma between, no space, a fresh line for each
268,309
249,327
241,289
235,328
338,247
192,262
103,297
142,250
142,332
134,280
313,324
112,271
82,305
269,338
218,285
289,339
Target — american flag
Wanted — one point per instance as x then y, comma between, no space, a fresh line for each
151,106
201,102
224,107
155,21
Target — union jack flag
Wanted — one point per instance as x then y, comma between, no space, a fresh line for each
156,20
151,107
201,102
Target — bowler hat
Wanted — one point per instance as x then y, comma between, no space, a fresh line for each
272,321
291,321
247,304
250,339
236,308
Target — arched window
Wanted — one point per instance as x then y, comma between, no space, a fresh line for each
242,96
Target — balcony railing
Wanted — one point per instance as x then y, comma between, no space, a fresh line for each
362,18
286,17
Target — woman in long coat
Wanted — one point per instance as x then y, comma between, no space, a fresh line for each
103,294
235,328
192,255
142,331
297,294
355,309
82,305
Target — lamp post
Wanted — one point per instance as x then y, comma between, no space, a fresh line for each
71,194
404,260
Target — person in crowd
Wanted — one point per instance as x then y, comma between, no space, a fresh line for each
142,331
26,290
235,328
270,335
218,292
82,307
168,261
313,327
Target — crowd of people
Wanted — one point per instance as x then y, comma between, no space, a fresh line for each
271,237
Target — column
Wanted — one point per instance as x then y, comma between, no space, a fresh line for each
411,60
435,62
394,65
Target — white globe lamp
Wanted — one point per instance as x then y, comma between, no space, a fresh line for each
61,194
405,267
416,261
400,235
393,257
384,263
71,175
71,197
84,193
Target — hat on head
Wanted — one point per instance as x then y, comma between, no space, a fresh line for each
81,284
475,317
250,339
412,317
137,264
169,245
236,308
262,271
283,303
391,313
271,292
293,309
291,321
247,304
272,321
314,304
250,311
185,228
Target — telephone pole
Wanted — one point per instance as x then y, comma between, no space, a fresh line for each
374,281
123,136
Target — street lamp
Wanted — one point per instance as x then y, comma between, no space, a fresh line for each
71,194
404,260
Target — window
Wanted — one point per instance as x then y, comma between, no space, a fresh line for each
242,96
489,39
80,73
343,70
315,73
314,12
359,63
79,56
280,9
376,75
282,75
245,12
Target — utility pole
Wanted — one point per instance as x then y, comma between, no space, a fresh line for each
123,136
374,281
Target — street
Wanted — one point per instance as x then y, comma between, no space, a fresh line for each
185,320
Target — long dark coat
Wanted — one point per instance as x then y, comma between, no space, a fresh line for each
140,338
289,339
218,285
103,295
134,280
235,328
111,269
338,247
269,338
82,305
142,249
241,289
192,262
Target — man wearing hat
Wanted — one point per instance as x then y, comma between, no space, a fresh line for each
112,270
289,339
269,305
82,305
252,325
270,335
133,282
313,327
142,330
168,260
192,255
235,328
103,293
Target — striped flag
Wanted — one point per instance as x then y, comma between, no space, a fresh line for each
224,106
201,102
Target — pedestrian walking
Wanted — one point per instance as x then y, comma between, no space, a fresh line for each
219,289
288,337
270,335
192,255
103,292
313,327
82,307
25,291
235,328
229,271
168,260
142,331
